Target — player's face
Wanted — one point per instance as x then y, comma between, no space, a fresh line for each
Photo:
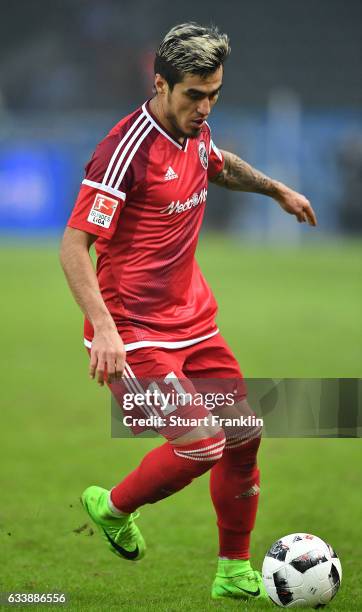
189,104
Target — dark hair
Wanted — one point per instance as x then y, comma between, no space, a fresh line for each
193,49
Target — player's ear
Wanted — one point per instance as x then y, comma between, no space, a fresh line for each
160,83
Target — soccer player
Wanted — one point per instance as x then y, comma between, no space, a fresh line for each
150,314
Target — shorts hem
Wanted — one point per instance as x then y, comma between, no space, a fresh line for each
177,344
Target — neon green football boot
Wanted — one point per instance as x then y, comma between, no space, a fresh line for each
235,578
120,531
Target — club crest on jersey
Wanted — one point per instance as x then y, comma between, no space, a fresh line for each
102,210
204,158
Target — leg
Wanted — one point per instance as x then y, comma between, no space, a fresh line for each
168,469
189,451
234,486
163,471
234,480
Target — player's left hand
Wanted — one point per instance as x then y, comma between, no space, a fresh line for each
296,204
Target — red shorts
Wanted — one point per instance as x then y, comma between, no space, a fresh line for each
193,380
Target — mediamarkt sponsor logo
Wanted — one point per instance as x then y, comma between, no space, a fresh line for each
191,202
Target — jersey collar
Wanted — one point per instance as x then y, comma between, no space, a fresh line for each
147,111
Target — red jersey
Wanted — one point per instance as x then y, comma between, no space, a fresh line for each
144,196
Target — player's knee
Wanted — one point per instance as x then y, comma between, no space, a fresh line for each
237,439
209,432
203,452
201,432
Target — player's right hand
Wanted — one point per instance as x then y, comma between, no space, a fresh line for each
107,357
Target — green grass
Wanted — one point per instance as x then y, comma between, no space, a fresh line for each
289,312
285,313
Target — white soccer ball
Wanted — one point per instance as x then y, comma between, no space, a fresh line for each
301,570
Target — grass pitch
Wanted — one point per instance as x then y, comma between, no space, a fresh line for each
285,313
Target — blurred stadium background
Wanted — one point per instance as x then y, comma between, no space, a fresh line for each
290,103
290,296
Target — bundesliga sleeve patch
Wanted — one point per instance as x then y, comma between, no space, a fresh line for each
102,210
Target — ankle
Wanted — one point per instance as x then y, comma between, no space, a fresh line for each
228,568
109,510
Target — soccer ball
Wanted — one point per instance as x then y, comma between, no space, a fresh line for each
300,570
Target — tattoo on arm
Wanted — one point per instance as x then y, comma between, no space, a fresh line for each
238,175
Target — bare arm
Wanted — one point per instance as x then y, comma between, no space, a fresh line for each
238,175
107,353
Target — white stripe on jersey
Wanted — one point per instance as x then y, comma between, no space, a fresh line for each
216,150
134,138
115,192
133,152
117,150
159,128
119,161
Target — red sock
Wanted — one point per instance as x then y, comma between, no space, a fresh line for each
166,470
234,486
